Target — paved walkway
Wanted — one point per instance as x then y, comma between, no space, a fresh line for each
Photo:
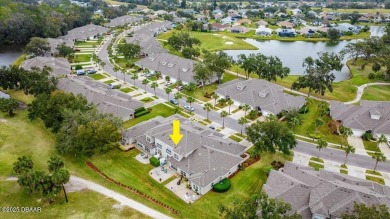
360,91
385,149
79,182
358,144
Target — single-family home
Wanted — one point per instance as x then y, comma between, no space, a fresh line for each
262,23
243,21
307,31
228,20
261,95
149,45
59,66
371,116
263,31
176,67
124,20
220,27
239,29
107,100
201,17
160,12
285,24
286,32
322,194
202,156
346,27
87,32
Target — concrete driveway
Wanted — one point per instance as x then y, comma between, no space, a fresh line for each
385,149
357,143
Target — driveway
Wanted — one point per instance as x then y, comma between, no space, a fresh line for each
358,144
385,149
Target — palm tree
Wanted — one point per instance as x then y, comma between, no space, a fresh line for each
381,139
215,97
348,149
321,144
222,102
223,115
154,85
229,103
103,64
242,121
191,87
246,108
178,96
134,76
318,122
346,132
190,100
145,82
168,90
379,157
207,107
116,69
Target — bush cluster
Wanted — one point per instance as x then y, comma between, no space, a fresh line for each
222,186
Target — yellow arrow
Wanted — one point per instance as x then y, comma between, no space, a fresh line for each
176,136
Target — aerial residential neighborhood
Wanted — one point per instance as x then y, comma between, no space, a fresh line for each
195,109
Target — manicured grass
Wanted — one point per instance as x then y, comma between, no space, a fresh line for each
316,159
377,92
308,125
316,166
147,99
371,146
344,171
19,95
97,76
154,78
139,94
127,90
343,166
111,2
157,110
372,172
376,179
235,138
350,10
242,136
215,41
82,204
109,81
234,111
81,58
302,38
19,60
87,43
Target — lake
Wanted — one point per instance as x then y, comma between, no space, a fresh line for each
8,54
293,53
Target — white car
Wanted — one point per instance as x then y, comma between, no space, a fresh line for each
189,108
168,83
388,143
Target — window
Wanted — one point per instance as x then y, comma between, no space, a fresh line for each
147,139
139,144
159,145
183,173
176,156
168,151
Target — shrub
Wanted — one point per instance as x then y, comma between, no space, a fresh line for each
304,110
139,109
154,161
371,75
139,114
222,186
252,114
367,136
268,169
277,165
78,67
315,136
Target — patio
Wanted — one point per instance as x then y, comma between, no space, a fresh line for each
142,158
160,174
182,191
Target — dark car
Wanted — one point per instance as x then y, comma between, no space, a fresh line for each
212,127
173,101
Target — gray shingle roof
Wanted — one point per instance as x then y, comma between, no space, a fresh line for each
4,95
84,32
360,117
149,45
54,42
258,92
60,66
154,28
324,192
123,20
107,100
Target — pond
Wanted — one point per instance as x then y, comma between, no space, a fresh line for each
293,53
8,54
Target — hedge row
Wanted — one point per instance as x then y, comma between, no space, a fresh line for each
139,110
133,190
138,114
223,185
154,161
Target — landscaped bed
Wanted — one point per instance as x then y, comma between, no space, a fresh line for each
157,110
235,138
97,76
127,90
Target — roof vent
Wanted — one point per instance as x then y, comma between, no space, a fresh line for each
163,63
185,69
239,87
374,114
170,65
263,93
152,59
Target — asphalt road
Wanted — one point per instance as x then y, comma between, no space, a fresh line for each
302,147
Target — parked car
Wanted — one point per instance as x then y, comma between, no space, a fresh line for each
173,101
168,83
92,71
189,108
212,127
80,72
388,143
179,88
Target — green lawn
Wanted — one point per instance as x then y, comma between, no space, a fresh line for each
372,172
316,159
82,204
81,58
376,179
215,41
316,166
87,43
350,10
147,99
109,81
235,138
157,110
377,92
97,76
344,169
127,90
308,126
371,146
